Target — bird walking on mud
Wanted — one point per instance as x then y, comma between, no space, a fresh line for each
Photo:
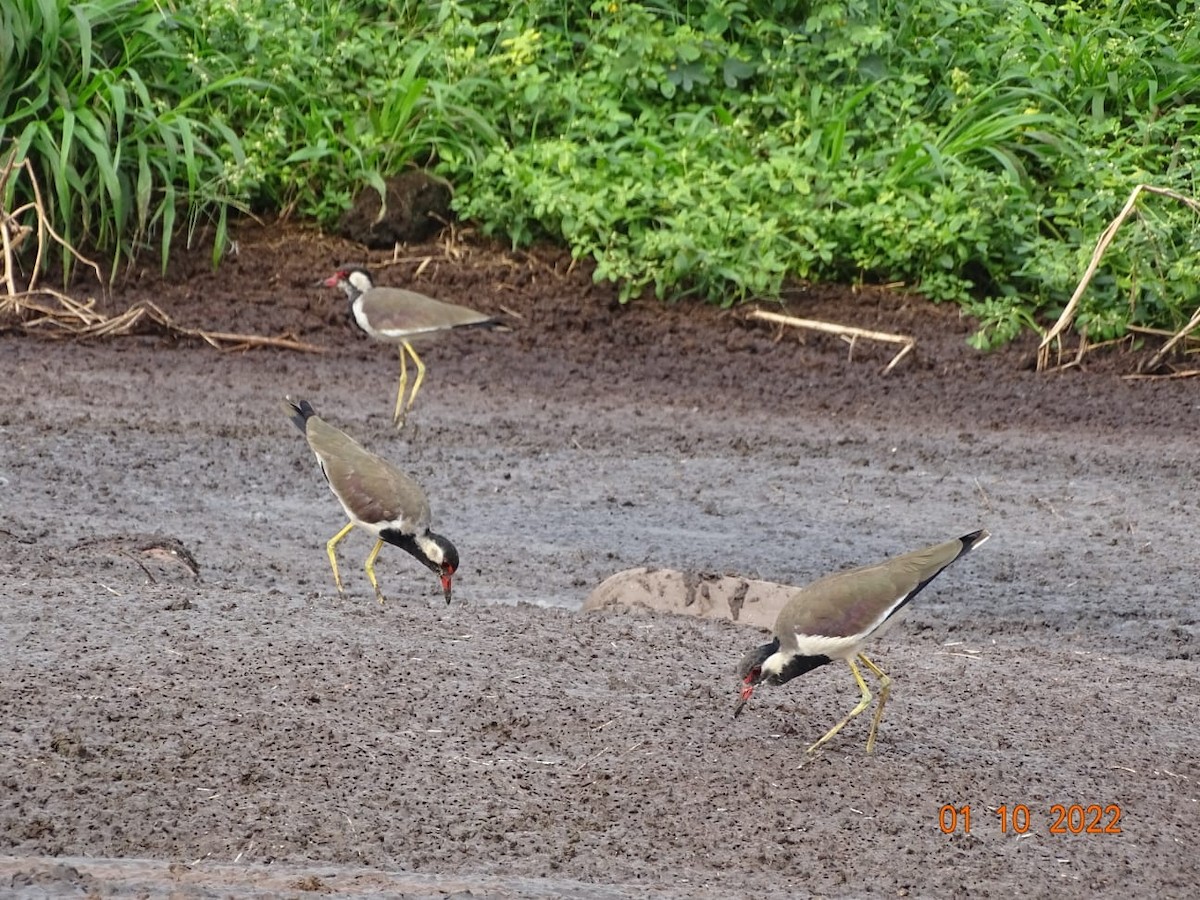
377,497
833,618
397,316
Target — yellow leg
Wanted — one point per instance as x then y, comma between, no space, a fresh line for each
863,703
398,413
371,569
402,408
420,374
885,688
329,548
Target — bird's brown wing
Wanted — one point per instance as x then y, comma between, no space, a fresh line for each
395,312
369,487
859,601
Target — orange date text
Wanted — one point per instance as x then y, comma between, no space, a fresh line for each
1064,818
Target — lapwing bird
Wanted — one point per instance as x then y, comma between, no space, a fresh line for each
833,618
397,316
376,496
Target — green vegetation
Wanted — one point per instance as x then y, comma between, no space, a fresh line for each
973,151
103,100
357,95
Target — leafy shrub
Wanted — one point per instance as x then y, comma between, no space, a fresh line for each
973,151
352,99
721,147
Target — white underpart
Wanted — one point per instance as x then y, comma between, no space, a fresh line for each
356,308
407,332
374,528
833,647
841,647
432,550
774,663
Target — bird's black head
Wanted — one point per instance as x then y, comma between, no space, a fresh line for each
352,280
442,557
435,552
753,669
750,671
750,668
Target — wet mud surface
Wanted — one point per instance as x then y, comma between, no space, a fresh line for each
190,706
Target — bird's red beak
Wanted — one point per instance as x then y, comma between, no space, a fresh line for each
331,281
746,693
446,578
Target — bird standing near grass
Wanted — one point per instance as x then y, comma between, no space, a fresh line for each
833,618
377,497
398,316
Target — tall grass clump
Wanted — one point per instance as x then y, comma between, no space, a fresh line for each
104,102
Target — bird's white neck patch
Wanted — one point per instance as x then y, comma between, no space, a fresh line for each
431,548
774,663
360,281
356,308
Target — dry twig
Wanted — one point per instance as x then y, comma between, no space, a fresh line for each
33,307
1054,335
1157,359
73,319
1142,376
845,331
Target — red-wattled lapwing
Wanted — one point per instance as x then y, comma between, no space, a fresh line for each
376,496
832,618
397,316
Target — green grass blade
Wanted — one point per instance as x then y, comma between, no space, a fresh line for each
144,186
83,34
167,222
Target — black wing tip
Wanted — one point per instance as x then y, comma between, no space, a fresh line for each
974,539
299,411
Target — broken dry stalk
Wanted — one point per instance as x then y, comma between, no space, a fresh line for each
1054,335
30,309
1162,354
844,331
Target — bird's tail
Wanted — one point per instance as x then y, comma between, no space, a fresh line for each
493,324
971,541
299,411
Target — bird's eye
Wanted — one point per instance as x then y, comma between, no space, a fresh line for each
753,675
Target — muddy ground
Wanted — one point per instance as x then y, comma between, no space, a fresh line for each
245,731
